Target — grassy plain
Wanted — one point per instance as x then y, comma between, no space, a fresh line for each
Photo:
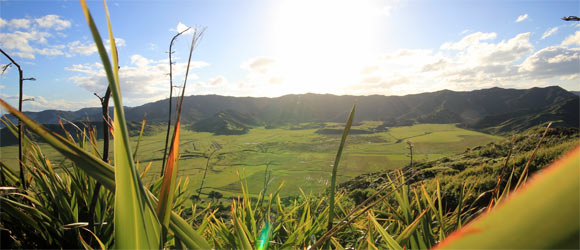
301,158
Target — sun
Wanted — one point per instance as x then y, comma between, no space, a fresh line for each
321,46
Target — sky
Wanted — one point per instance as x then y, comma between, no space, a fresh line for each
272,48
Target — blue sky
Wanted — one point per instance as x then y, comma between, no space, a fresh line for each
273,48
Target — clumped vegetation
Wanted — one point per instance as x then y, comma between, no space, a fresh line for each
485,168
422,205
417,207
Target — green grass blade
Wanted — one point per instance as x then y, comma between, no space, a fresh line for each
391,243
90,163
541,215
103,173
136,225
242,238
185,233
440,212
139,139
410,229
331,193
168,185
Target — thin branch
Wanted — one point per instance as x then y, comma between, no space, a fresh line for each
106,124
170,98
205,173
20,125
5,67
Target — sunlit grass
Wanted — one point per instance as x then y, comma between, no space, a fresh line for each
402,213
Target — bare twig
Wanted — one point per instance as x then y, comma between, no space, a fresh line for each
5,67
20,125
170,98
205,173
106,122
196,37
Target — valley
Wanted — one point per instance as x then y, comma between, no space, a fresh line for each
300,155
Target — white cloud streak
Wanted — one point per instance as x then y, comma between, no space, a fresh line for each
26,38
522,18
549,32
573,39
144,80
475,61
39,103
213,82
88,48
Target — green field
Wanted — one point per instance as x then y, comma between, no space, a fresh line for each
300,158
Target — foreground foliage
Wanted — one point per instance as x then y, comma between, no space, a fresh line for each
418,207
419,210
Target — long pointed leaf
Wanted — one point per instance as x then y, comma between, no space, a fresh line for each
391,243
410,229
335,167
136,226
103,173
168,185
542,215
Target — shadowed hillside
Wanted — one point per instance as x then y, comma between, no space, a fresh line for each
494,110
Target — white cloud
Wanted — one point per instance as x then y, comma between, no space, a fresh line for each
88,48
369,69
25,38
572,39
38,103
78,47
144,80
181,27
41,103
52,51
260,65
551,62
469,40
19,43
522,18
52,22
477,52
19,23
549,32
475,61
262,72
213,82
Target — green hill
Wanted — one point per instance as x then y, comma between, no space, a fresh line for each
493,110
563,114
443,106
226,122
481,166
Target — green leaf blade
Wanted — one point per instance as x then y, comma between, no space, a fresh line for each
136,225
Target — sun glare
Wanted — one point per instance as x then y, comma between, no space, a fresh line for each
320,46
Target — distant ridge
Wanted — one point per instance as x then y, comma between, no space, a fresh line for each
497,108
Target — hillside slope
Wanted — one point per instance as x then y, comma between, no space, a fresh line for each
226,122
493,110
480,166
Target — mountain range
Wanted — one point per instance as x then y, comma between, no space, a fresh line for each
494,110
